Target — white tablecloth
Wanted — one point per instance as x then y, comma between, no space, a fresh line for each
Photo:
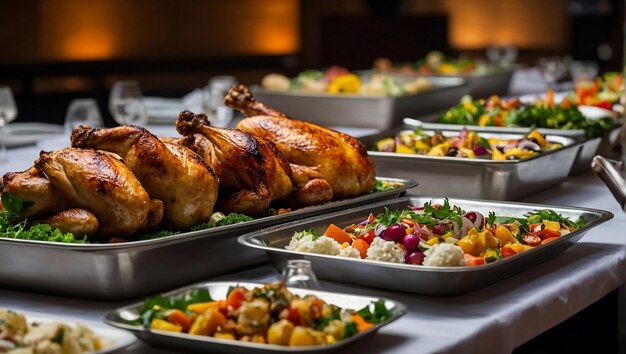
495,319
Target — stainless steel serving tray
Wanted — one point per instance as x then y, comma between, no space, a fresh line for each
495,81
123,318
129,270
364,111
439,281
478,178
590,147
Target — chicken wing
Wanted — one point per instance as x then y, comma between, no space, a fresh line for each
252,172
324,162
179,177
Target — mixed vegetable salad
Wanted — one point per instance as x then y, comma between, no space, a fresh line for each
603,92
466,144
338,80
543,113
434,63
269,314
438,235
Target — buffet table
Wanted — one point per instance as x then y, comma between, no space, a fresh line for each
496,319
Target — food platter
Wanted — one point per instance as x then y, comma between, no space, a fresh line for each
437,281
494,81
582,163
116,271
112,339
479,178
123,318
364,111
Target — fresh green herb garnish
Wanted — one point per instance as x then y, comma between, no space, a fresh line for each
381,186
233,218
157,305
324,321
379,314
349,330
310,232
539,216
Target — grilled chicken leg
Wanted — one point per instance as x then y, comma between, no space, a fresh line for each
176,175
101,183
252,172
33,186
324,162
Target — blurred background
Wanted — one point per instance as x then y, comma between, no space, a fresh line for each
55,51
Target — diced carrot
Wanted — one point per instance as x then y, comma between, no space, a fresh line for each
473,261
180,318
361,323
337,234
235,298
409,222
549,98
548,240
200,307
368,237
361,246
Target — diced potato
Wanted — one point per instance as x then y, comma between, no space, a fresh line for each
164,325
280,332
206,324
222,335
504,235
303,336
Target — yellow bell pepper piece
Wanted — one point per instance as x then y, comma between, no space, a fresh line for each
421,146
518,247
504,235
541,140
433,241
164,325
552,225
348,83
403,149
221,335
484,120
200,307
439,150
497,155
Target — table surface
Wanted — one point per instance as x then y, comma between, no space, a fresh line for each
495,319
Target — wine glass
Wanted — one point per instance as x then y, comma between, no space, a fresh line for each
82,111
583,71
503,55
8,112
217,112
552,69
126,103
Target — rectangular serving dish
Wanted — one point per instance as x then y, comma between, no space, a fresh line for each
123,318
590,147
438,281
364,111
495,81
119,271
478,178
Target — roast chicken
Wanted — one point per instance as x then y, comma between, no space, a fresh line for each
326,164
33,186
101,183
179,177
252,172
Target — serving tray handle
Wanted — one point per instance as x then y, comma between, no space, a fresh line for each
608,171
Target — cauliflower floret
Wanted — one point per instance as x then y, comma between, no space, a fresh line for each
385,251
444,255
350,252
305,242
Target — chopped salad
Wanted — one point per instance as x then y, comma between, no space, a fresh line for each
438,235
603,92
338,80
269,314
544,113
467,144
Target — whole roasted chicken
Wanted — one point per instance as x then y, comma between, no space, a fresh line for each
179,177
102,184
252,172
326,164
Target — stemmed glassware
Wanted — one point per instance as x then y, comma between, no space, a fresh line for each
503,55
552,69
8,112
83,111
298,273
217,112
126,103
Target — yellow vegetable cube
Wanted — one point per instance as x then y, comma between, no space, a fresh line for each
280,332
164,325
403,149
206,324
552,225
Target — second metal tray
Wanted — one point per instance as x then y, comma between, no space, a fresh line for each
123,318
132,269
439,281
479,178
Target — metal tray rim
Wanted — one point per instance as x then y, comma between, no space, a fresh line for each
603,215
192,235
398,311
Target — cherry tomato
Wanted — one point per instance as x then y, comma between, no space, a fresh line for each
507,252
531,240
294,316
547,233
368,237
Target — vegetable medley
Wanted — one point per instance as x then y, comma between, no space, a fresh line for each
338,80
269,314
602,92
511,113
18,336
434,63
437,235
466,144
